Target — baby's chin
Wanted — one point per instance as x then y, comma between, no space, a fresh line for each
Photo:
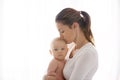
61,59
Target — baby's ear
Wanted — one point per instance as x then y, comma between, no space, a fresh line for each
67,49
50,52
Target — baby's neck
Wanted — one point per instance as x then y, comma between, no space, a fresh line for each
61,60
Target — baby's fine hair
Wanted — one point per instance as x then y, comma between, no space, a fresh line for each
58,39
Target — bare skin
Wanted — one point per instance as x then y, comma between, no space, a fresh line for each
55,69
73,34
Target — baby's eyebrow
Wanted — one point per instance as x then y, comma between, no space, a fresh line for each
58,48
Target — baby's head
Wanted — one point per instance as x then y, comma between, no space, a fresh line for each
59,49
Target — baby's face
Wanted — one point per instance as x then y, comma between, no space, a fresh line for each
59,50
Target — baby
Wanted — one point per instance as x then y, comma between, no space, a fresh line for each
58,50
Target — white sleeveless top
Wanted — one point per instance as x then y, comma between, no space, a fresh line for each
83,65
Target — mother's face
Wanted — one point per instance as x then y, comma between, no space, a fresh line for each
66,33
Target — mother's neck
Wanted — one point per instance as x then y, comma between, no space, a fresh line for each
80,40
79,44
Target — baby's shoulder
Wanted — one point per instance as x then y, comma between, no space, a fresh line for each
54,61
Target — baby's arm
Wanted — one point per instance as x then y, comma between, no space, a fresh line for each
52,68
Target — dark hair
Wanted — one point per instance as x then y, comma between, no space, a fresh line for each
69,15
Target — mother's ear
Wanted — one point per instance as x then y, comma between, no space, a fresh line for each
75,25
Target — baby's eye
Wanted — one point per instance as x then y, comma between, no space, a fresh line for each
62,48
55,49
61,31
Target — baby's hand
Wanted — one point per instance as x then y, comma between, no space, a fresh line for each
51,74
46,77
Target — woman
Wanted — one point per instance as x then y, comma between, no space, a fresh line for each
75,26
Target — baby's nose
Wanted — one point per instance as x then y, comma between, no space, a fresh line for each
61,36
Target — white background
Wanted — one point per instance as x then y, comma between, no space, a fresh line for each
27,28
